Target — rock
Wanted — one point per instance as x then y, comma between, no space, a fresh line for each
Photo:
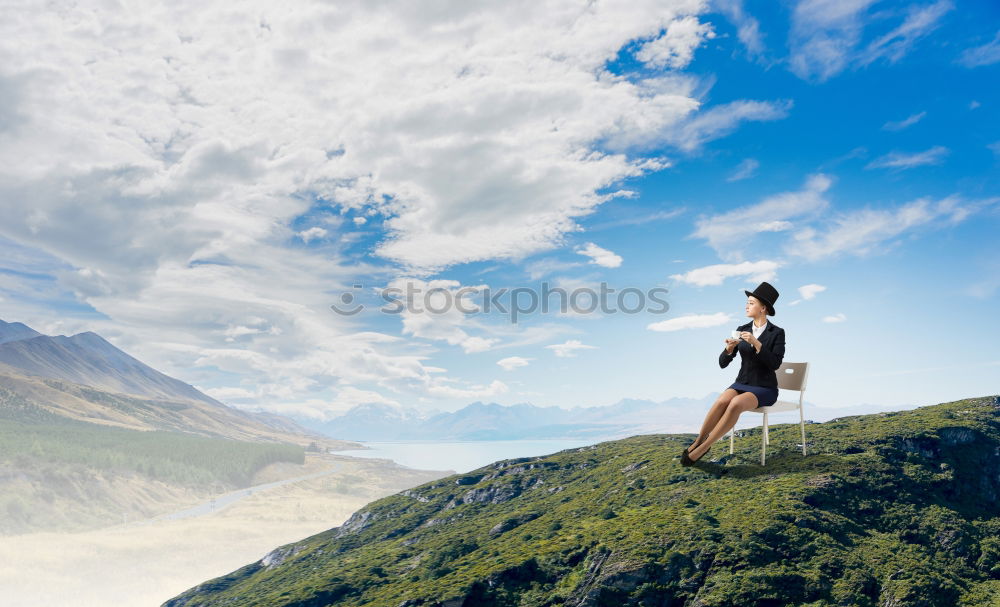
957,436
514,469
921,446
512,523
496,493
278,556
419,498
358,521
635,466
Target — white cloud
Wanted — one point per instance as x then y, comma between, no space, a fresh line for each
811,290
599,256
311,233
346,399
233,333
825,35
442,390
902,124
900,160
986,54
445,310
807,292
544,267
862,232
729,233
569,348
837,318
671,117
171,156
919,21
774,226
691,321
744,170
675,48
636,220
755,271
747,27
434,310
721,120
513,362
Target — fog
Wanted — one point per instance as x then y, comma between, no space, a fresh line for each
144,563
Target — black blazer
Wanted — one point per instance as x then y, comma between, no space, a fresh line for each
758,369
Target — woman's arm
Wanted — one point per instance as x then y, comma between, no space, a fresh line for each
772,358
726,357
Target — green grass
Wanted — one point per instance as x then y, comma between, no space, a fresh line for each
887,509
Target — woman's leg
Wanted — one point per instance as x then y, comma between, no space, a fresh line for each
738,404
713,416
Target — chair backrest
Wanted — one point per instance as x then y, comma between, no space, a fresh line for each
792,376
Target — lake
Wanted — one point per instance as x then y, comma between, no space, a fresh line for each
460,456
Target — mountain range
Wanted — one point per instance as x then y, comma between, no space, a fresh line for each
492,421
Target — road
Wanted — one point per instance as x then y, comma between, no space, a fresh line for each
226,499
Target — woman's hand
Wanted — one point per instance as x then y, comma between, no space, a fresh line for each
731,345
750,339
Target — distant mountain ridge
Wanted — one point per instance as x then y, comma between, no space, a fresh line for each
13,331
86,378
480,421
492,421
88,359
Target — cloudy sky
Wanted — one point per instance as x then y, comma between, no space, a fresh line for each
200,182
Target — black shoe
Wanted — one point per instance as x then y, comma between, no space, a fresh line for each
685,460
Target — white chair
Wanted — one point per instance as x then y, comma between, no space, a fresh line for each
791,376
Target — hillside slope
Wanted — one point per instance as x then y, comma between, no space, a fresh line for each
890,509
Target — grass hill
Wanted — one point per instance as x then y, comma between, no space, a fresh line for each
892,509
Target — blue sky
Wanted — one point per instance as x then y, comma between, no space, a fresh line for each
199,191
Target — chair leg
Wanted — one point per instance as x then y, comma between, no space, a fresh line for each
763,451
802,424
767,434
732,433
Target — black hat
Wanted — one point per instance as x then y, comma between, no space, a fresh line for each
767,294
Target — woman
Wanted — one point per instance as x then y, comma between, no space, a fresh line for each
761,346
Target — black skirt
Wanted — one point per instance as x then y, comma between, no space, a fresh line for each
765,396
